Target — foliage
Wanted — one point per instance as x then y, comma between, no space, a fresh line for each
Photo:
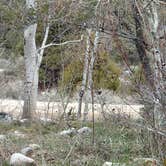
11,22
71,76
106,73
138,77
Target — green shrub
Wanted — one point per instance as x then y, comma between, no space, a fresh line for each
106,74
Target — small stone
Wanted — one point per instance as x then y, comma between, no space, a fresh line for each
19,134
68,132
77,163
113,164
2,138
18,159
45,119
34,146
24,120
28,151
144,161
84,130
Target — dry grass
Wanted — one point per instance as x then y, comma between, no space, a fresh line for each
113,142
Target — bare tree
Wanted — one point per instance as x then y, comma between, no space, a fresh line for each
85,72
89,60
33,58
31,64
147,44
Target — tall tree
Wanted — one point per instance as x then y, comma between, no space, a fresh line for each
31,62
33,56
147,44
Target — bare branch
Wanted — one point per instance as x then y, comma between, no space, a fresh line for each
41,52
98,4
61,44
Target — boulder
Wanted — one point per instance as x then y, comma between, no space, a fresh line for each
5,117
18,159
84,130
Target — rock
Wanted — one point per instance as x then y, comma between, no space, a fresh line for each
77,163
2,138
113,164
68,132
18,159
5,117
145,161
28,151
18,134
24,121
34,146
84,130
45,120
2,70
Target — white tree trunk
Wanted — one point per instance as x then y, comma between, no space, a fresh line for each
31,72
157,62
92,60
31,66
90,73
85,73
33,58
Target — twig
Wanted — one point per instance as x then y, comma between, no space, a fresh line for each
71,150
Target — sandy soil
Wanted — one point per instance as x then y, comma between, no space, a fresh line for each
55,109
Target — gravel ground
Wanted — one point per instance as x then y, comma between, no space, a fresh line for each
55,109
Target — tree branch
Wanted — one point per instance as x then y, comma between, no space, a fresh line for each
41,52
61,44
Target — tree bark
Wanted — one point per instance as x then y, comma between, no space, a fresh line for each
85,73
141,45
153,20
92,60
31,65
31,72
152,63
33,58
